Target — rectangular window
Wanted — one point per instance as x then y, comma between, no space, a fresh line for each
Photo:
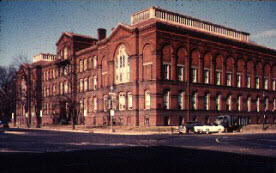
94,62
95,104
218,103
180,74
258,104
129,101
147,99
266,83
229,103
95,82
274,85
180,101
238,80
85,84
105,103
207,101
85,64
257,83
218,78
166,72
228,79
249,104
166,100
206,76
239,103
274,104
121,102
194,75
81,66
194,101
81,85
248,81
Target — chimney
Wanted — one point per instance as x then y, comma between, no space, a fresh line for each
101,33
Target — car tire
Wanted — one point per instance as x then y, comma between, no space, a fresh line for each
207,131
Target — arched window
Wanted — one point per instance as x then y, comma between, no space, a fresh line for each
181,61
194,66
266,77
207,68
258,75
147,62
218,73
104,72
122,71
147,99
167,62
240,69
249,74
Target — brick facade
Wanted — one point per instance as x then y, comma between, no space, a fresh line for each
160,57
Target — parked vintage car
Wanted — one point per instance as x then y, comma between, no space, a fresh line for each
211,128
188,127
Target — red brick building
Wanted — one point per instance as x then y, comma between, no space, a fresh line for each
166,68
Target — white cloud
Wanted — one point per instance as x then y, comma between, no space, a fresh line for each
265,34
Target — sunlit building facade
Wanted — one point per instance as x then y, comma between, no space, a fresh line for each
165,68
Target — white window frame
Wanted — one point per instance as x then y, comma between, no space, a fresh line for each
129,101
122,101
147,99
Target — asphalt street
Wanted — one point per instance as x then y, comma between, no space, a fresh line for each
71,151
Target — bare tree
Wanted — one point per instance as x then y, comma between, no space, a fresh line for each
7,93
28,91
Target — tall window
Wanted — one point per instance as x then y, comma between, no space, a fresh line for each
206,76
166,100
207,101
84,64
180,100
105,103
65,87
95,104
61,88
248,81
194,75
239,103
257,83
122,102
218,78
166,71
274,104
81,65
65,53
274,85
94,62
54,89
180,73
266,106
229,103
266,83
122,71
54,73
147,99
90,86
249,104
129,101
194,101
81,85
85,84
238,80
258,104
95,82
218,103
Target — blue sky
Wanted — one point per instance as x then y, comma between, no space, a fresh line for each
31,27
